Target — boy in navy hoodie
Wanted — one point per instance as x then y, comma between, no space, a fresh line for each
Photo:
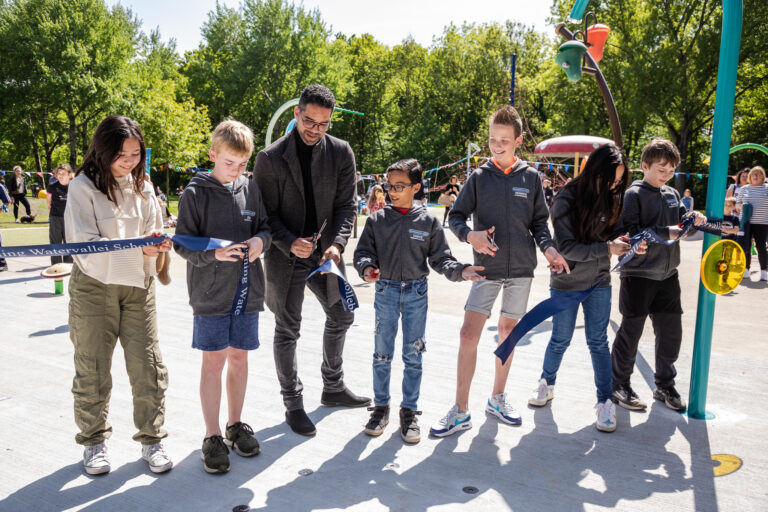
397,243
509,211
226,205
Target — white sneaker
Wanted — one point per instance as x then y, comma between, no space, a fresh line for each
746,273
606,416
154,454
542,394
451,423
96,460
764,275
500,407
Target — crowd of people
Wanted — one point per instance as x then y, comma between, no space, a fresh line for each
298,212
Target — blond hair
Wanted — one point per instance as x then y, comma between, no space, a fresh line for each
234,135
757,170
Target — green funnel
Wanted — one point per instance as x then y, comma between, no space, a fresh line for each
569,58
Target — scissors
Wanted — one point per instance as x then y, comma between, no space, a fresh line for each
492,239
317,235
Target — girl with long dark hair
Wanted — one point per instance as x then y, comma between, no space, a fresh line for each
585,215
112,295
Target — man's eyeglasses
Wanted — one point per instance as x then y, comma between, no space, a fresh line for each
397,188
310,124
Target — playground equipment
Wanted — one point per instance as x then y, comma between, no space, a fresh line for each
722,267
721,137
285,106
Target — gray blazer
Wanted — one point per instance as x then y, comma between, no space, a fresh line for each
278,173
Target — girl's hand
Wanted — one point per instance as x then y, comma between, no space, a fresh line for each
620,246
232,252
163,245
371,274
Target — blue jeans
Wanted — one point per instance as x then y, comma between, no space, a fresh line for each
597,313
393,300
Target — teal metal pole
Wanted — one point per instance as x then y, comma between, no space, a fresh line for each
721,142
577,12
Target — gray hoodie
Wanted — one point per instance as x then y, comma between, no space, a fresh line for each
646,206
590,262
209,209
400,244
515,204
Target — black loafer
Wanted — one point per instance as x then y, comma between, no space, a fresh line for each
300,422
344,398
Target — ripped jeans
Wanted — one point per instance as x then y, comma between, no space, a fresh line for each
396,299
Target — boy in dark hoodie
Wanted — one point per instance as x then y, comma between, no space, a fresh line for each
649,283
506,201
394,249
226,205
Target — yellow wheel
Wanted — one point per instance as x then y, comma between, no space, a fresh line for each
722,267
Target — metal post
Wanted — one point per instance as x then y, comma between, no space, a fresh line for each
721,139
512,80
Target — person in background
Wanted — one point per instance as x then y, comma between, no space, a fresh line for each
377,201
756,194
549,193
687,200
56,196
740,181
732,228
17,187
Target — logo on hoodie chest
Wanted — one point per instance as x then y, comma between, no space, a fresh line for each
672,203
415,234
521,192
248,215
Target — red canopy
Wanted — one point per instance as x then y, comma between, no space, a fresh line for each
568,145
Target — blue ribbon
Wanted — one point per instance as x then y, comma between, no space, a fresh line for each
348,297
241,295
543,310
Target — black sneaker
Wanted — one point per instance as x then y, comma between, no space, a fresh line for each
670,397
300,422
379,419
240,438
409,426
626,397
215,455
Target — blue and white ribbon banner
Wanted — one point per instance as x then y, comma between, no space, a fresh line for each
348,297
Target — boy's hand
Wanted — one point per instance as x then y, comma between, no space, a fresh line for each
163,245
332,253
371,274
255,246
481,241
471,273
556,261
698,218
232,252
302,247
675,232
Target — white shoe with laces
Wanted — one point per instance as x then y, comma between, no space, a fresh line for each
542,394
154,454
764,275
454,421
606,416
96,460
500,406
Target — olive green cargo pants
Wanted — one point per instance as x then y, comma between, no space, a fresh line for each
99,314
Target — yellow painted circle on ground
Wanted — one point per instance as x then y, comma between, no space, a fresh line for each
722,267
725,464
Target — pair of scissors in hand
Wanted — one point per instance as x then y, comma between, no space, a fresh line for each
492,239
317,235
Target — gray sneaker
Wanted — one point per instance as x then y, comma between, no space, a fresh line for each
96,460
626,397
378,421
215,455
670,397
240,438
409,426
158,460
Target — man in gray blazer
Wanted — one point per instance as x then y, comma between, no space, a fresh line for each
307,178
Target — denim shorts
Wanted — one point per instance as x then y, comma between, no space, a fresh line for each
514,297
217,332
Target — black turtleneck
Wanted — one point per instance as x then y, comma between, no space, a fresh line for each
304,153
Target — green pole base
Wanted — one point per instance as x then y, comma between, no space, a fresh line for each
705,416
58,287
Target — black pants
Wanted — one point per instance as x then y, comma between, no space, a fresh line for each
2,260
20,198
288,325
758,233
639,298
56,236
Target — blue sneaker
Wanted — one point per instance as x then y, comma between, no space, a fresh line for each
451,423
500,407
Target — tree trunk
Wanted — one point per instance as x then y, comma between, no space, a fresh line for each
36,151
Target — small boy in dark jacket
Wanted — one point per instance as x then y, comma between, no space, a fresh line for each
394,249
224,204
649,283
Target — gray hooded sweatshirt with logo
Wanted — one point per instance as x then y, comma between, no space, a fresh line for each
400,245
209,209
514,203
646,206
